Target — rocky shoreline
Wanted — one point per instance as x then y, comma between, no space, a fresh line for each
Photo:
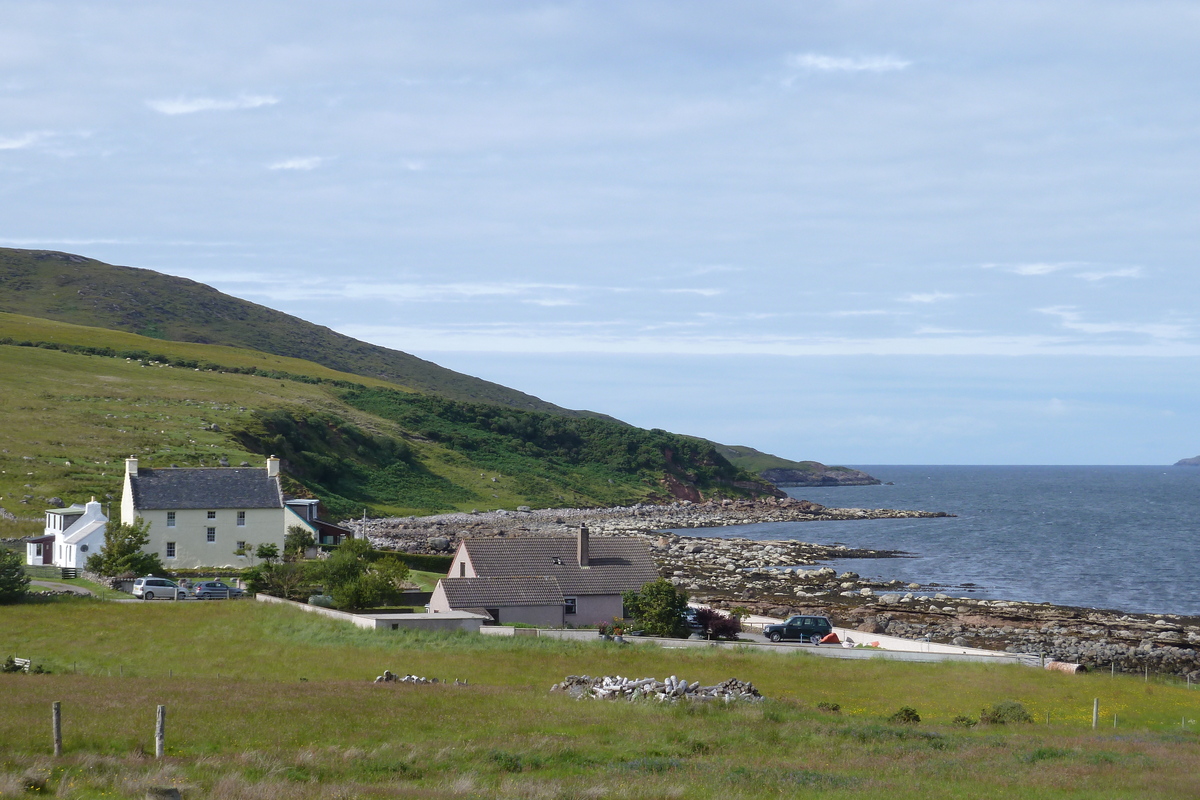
779,578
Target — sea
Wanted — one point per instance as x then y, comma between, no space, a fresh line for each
1107,537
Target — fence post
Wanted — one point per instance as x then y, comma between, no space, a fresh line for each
1095,712
160,732
56,726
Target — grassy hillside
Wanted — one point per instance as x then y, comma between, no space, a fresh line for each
285,707
83,291
77,400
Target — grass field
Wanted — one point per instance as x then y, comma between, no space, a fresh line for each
264,702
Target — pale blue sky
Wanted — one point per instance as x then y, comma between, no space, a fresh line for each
856,232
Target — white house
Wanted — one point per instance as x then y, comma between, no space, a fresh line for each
199,516
71,536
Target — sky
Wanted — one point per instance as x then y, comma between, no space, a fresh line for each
854,232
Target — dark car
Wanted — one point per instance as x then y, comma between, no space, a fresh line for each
801,629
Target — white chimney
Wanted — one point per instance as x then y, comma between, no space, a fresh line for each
272,467
131,465
583,546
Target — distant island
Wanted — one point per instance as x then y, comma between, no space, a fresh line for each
1188,462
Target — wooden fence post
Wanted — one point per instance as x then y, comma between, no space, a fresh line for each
56,726
160,732
1095,712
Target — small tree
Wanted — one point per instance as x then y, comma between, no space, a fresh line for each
122,551
355,581
14,583
658,608
289,579
296,541
267,552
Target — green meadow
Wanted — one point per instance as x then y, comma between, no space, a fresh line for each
266,702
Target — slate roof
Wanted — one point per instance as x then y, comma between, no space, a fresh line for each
615,564
501,592
204,487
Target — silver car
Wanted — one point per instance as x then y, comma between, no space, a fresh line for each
163,589
216,590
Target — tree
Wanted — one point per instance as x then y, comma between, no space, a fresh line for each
658,608
354,580
296,541
289,579
122,551
267,552
13,580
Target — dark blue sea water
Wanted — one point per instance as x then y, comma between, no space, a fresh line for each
1123,538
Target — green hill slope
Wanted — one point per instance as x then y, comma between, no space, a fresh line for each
83,291
77,400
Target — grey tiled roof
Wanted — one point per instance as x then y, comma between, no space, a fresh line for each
615,564
501,592
205,487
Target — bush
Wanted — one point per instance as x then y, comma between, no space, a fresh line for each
717,625
907,715
829,708
963,721
14,583
1005,712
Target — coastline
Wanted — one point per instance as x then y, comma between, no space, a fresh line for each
779,578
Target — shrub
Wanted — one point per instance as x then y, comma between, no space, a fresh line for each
963,721
907,715
717,625
829,708
1005,712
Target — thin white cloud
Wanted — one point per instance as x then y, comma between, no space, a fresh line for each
1072,320
926,297
306,163
1125,272
192,105
1037,268
817,62
701,292
624,339
19,142
866,312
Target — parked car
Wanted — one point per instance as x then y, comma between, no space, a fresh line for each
800,628
151,587
216,590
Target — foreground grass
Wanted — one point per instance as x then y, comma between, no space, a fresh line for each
293,714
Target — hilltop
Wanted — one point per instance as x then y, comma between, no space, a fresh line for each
83,291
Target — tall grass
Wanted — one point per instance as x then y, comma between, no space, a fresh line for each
293,714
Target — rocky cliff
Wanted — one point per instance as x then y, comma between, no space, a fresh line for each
819,475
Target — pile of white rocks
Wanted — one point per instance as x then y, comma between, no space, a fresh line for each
615,687
390,677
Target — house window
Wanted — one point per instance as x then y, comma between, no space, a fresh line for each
170,519
462,569
211,534
240,546
170,549
569,605
241,519
212,515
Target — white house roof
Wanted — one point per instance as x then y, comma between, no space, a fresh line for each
82,530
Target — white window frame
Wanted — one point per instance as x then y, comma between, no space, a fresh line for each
210,534
570,606
241,519
170,519
212,515
171,550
